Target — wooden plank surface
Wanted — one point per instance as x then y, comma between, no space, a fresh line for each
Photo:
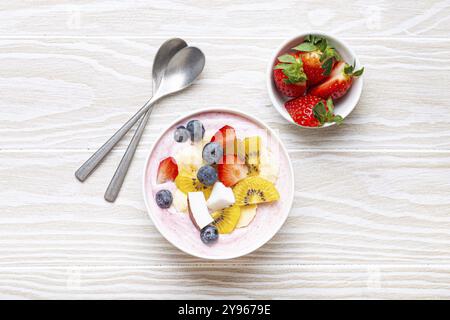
88,88
234,282
166,18
371,211
350,207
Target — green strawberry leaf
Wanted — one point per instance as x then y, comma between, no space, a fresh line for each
294,73
330,105
338,119
322,44
358,73
348,69
282,66
327,66
320,112
286,58
325,114
306,47
314,39
328,53
292,68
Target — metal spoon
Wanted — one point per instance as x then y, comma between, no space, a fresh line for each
182,70
165,53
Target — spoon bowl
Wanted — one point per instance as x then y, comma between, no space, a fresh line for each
182,70
165,53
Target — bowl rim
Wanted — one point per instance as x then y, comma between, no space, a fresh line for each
260,123
269,73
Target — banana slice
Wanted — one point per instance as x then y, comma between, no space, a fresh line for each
269,166
189,157
248,213
180,201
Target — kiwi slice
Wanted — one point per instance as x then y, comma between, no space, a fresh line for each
186,181
252,147
226,219
254,190
239,149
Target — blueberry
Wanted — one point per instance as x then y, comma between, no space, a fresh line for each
207,175
209,234
212,152
196,129
181,134
163,199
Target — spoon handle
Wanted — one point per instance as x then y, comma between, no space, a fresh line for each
119,176
91,164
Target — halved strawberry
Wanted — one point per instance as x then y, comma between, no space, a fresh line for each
340,81
167,170
318,58
288,75
231,170
311,111
226,136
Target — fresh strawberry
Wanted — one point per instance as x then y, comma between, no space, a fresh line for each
167,170
226,136
288,75
311,111
231,170
340,81
318,58
313,67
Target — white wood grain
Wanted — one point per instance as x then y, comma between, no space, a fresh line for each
363,208
73,94
231,282
262,19
371,212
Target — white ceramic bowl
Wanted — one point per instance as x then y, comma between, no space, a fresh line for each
343,106
181,232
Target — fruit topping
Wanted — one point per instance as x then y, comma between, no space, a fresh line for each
288,75
189,157
254,190
179,201
221,197
239,149
167,170
196,130
248,213
226,176
186,182
181,134
252,154
340,81
226,219
207,175
226,137
209,234
198,211
163,199
311,111
212,152
269,165
318,58
231,170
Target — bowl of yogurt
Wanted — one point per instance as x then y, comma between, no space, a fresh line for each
218,183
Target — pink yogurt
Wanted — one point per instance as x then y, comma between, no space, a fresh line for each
177,226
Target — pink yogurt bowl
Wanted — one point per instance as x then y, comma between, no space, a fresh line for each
177,227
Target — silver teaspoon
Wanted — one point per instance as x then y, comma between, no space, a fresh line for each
165,53
182,70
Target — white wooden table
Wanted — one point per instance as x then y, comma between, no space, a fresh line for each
371,217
